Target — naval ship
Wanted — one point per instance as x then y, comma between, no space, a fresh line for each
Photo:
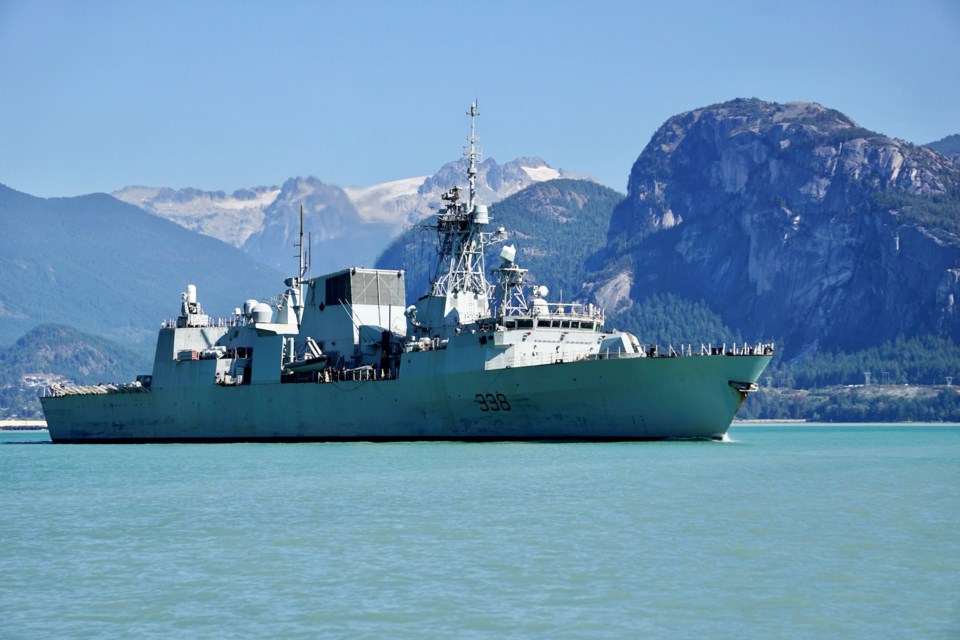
340,357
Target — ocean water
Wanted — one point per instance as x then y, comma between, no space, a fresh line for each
784,532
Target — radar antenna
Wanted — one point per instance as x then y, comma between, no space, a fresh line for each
301,257
303,266
472,153
459,291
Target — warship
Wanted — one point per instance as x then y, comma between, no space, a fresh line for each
340,357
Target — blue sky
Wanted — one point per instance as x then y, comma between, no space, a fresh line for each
97,95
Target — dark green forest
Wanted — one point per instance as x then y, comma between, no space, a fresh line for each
947,146
926,360
827,386
668,319
874,403
939,213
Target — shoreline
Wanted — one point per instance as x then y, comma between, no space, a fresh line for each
23,425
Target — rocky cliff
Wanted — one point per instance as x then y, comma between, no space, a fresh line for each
792,222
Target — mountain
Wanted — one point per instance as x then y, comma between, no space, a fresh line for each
791,222
339,235
949,146
54,353
111,269
231,218
554,225
348,227
494,181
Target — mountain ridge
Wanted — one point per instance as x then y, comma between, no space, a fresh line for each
346,223
109,268
791,221
948,146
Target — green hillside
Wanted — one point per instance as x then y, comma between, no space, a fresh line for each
51,353
111,269
901,380
667,319
948,146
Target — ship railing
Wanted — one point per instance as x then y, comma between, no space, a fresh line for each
60,390
531,360
227,323
734,349
645,351
365,373
724,349
568,310
576,310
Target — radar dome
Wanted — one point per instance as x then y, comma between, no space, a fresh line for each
262,312
508,253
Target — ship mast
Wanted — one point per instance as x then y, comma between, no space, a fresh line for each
296,284
302,257
472,154
460,293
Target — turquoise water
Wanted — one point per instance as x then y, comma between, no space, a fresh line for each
785,532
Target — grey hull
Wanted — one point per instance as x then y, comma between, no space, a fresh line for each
619,399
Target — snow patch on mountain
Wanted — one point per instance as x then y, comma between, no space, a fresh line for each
386,202
358,220
231,218
541,174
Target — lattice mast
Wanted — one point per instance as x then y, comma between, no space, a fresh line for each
511,284
473,155
460,235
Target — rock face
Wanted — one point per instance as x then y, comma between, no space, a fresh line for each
793,223
340,237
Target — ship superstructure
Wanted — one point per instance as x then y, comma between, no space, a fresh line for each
341,357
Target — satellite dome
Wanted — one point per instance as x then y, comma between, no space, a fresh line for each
262,312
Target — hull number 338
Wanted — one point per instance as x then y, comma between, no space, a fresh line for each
492,402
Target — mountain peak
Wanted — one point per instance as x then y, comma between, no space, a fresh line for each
794,220
264,220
